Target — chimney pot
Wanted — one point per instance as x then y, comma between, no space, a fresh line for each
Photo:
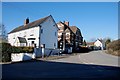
66,22
26,21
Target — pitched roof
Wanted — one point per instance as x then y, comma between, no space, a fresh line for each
67,28
74,28
29,25
100,40
90,43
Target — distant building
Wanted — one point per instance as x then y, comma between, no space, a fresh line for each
36,33
69,36
89,44
99,44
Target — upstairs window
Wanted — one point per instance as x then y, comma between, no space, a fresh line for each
55,33
41,30
19,34
54,44
14,36
32,33
24,34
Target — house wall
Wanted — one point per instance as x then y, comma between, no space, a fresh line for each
61,27
78,38
49,35
68,36
98,44
28,33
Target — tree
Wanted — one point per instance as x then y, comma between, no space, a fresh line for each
107,41
3,33
84,43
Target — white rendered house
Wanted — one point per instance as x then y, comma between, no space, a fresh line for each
99,43
36,33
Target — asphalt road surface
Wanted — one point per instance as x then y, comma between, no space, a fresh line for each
94,57
66,68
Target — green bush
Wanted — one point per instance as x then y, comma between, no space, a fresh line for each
16,49
5,52
6,49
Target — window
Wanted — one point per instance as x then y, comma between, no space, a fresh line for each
59,36
41,30
59,33
55,33
14,36
61,28
32,42
19,34
31,38
67,36
54,44
24,34
31,32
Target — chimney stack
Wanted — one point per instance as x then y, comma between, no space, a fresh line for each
66,22
26,21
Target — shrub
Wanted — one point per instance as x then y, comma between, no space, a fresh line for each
16,49
6,49
81,50
22,49
28,49
5,54
114,47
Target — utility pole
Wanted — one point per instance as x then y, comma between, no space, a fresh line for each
39,36
64,36
63,40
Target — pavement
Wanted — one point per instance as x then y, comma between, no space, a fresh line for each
64,68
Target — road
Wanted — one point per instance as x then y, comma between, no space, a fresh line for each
94,57
70,67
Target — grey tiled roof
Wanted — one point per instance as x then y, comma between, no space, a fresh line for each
29,25
74,28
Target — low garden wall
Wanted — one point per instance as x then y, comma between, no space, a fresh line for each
15,57
13,54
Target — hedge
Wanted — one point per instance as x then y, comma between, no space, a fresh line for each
22,49
6,49
5,52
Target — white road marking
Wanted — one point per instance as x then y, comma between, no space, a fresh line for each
87,63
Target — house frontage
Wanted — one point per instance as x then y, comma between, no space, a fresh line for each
36,33
68,36
78,39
